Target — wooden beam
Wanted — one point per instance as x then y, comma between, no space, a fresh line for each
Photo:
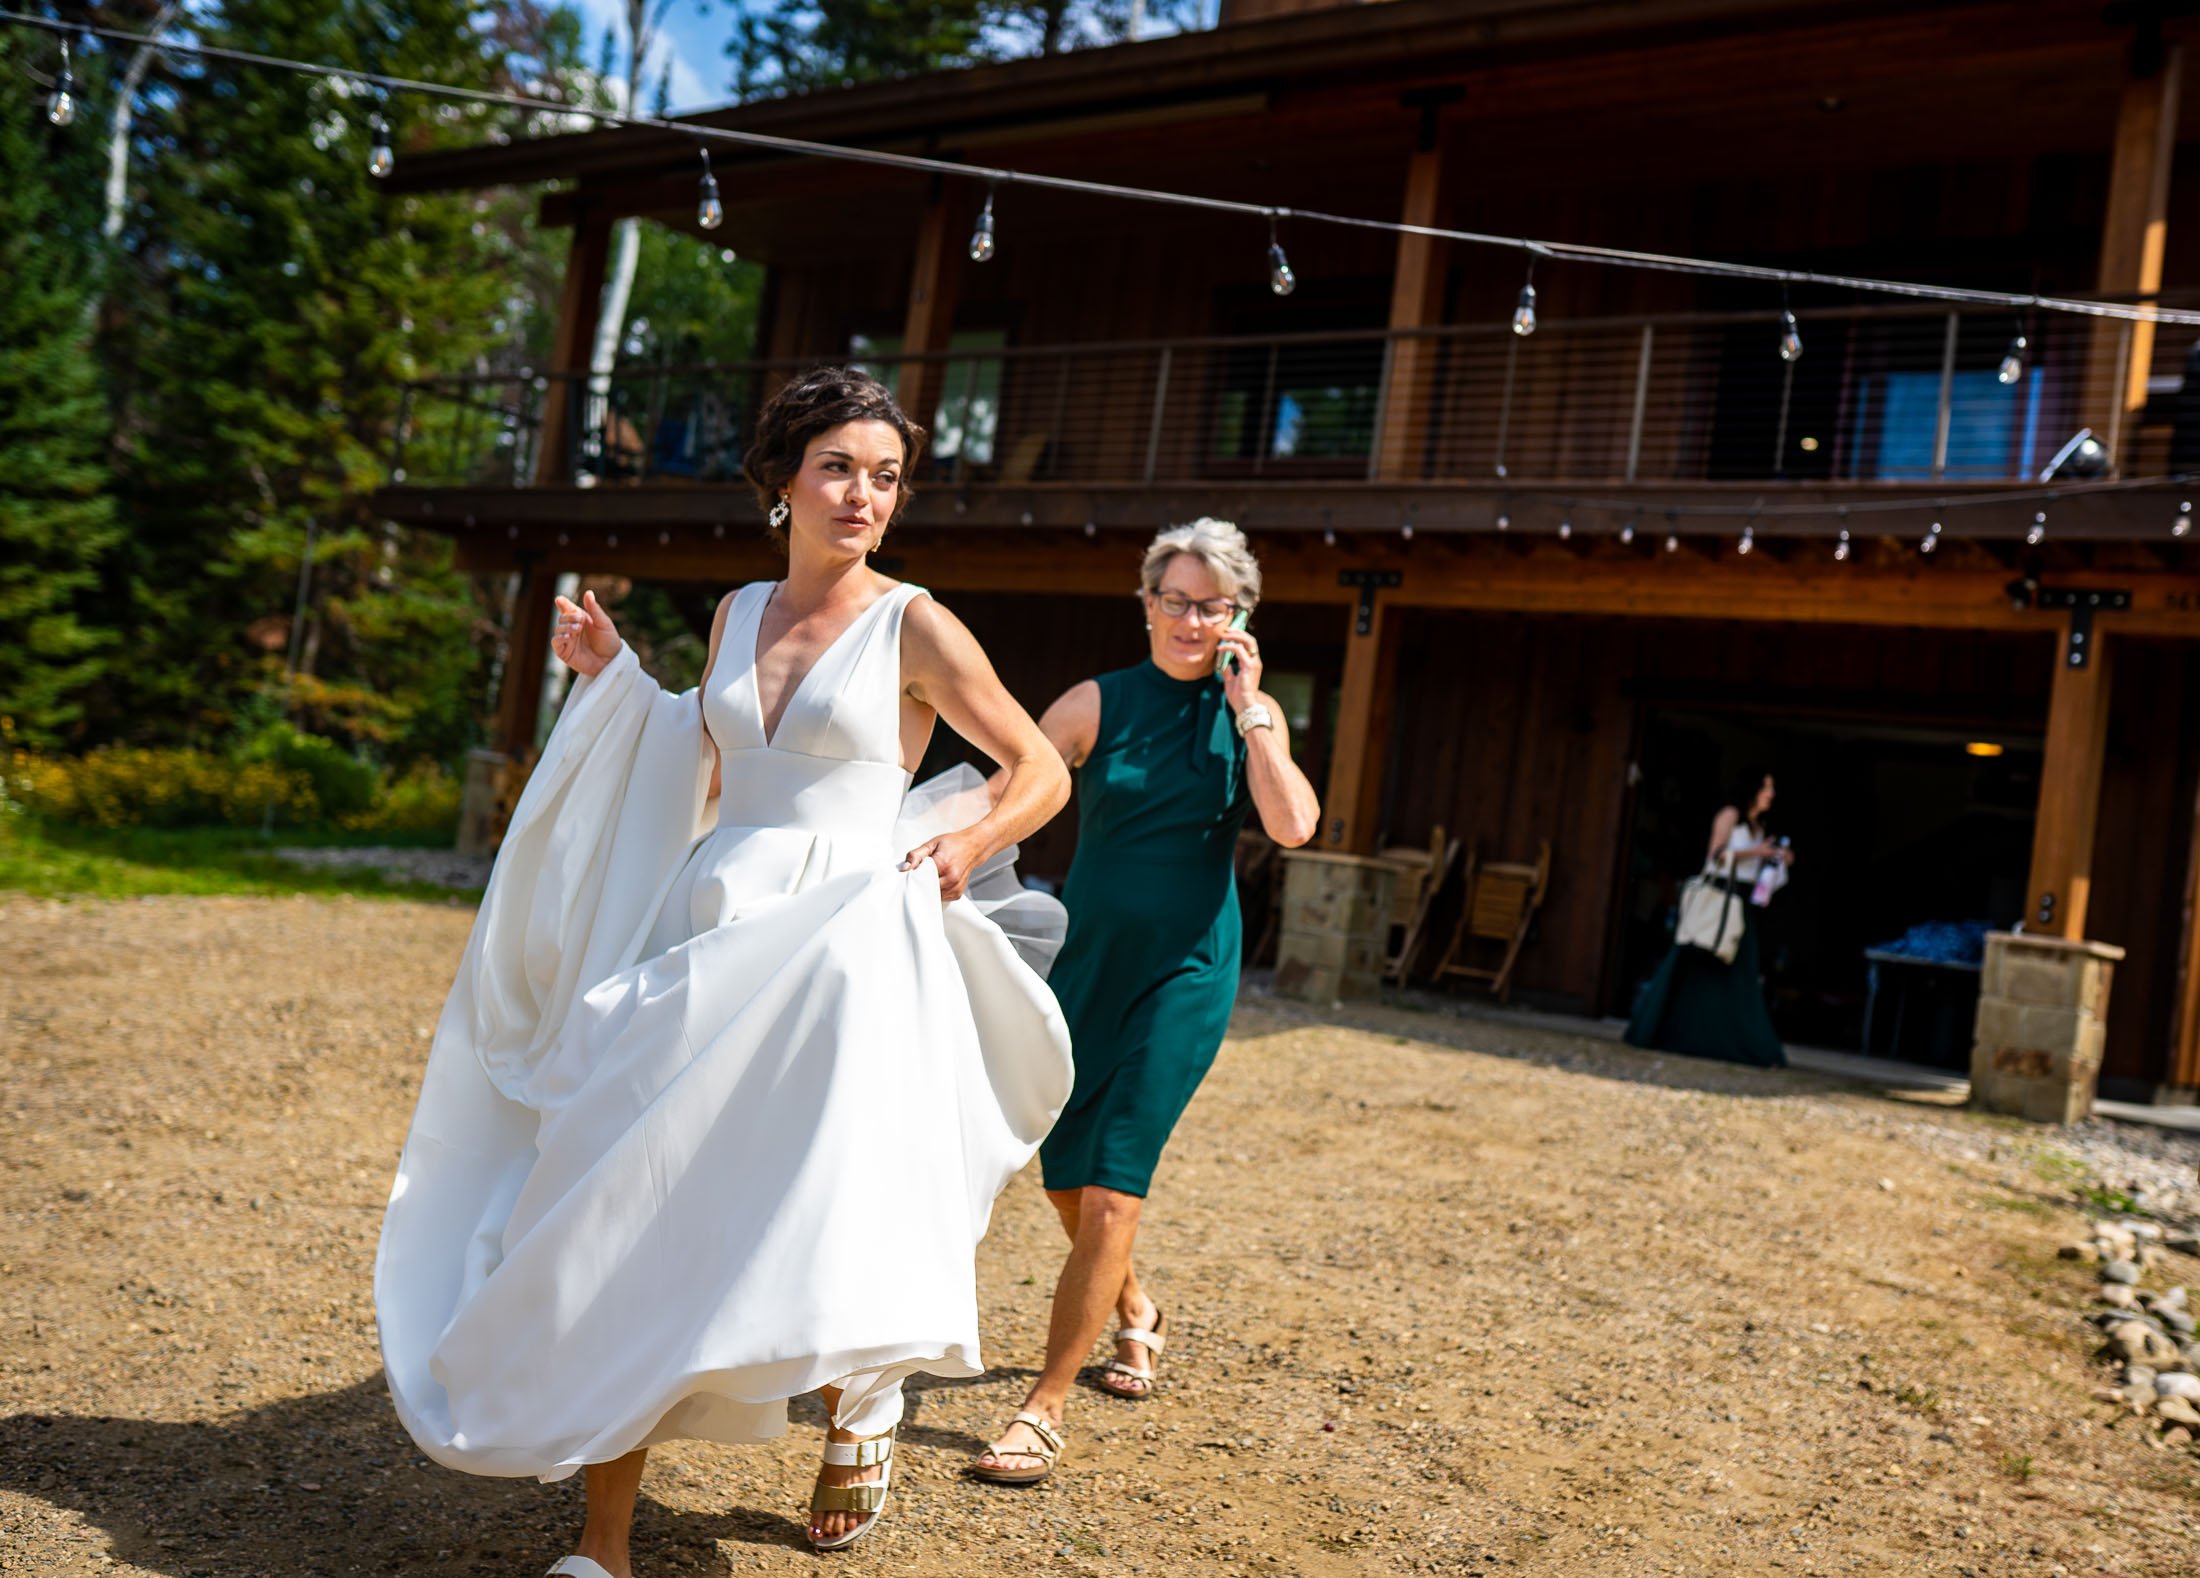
2183,1071
934,282
1353,806
2070,792
2134,234
1416,302
526,652
578,308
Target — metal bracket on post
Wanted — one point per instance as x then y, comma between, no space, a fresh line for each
2082,603
1367,581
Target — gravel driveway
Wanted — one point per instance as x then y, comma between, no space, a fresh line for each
1446,1296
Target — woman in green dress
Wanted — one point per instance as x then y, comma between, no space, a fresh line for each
1693,1002
1170,761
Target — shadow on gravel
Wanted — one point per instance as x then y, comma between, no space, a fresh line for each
1442,1025
327,1485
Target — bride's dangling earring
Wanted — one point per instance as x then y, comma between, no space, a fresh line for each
780,512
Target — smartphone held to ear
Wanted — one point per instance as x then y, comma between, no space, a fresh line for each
1225,659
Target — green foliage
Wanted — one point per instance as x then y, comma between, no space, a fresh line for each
56,516
343,785
798,45
120,786
291,779
288,300
692,302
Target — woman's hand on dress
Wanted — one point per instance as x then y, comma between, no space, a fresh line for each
954,856
585,639
1241,680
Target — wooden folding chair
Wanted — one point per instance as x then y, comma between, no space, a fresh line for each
1500,905
1259,868
1421,876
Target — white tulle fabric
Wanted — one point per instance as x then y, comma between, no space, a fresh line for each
718,1107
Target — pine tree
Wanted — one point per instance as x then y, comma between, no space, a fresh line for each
56,518
291,300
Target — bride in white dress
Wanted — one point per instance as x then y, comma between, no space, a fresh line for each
683,1056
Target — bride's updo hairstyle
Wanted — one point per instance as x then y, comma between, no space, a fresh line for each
816,402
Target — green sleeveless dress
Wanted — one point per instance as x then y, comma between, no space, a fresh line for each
1148,973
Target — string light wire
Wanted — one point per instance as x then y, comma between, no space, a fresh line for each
1573,251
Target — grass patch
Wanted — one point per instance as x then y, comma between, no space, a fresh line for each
2056,1168
98,863
1922,1398
2113,1201
2019,1466
2023,1205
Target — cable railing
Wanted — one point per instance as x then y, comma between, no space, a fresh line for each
1877,395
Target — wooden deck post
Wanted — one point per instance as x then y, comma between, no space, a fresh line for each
2070,793
578,307
526,653
1416,302
934,283
1352,807
2133,236
2182,1072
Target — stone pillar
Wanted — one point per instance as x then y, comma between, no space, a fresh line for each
480,824
1336,920
2042,1019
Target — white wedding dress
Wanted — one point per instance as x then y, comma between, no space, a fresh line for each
715,1115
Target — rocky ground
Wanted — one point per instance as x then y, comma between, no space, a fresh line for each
1448,1295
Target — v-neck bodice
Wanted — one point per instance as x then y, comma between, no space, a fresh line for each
833,763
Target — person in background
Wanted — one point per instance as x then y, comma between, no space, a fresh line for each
1696,1003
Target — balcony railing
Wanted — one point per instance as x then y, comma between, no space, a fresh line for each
1878,395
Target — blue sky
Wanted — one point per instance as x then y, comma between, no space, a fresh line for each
694,36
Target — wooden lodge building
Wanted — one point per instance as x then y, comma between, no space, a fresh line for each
1506,592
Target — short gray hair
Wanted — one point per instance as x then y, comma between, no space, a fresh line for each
1218,545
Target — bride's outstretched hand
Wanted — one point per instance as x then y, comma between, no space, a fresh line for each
585,638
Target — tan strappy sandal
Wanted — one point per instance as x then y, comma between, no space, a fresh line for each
1153,1342
1048,1452
869,1497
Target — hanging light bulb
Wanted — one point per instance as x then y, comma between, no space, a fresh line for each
1841,548
2182,526
1627,532
981,234
1791,338
1565,530
381,158
1329,537
1749,540
1524,311
2039,528
709,212
61,103
1280,278
1504,521
1406,531
2012,360
1672,542
1931,544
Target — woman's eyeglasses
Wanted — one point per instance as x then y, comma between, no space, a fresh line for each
1176,605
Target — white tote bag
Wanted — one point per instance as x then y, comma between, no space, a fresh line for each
1711,915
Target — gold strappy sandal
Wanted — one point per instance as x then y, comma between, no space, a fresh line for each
869,1497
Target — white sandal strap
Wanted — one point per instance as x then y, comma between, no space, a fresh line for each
859,1454
1044,1431
1135,1372
1151,1341
576,1567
